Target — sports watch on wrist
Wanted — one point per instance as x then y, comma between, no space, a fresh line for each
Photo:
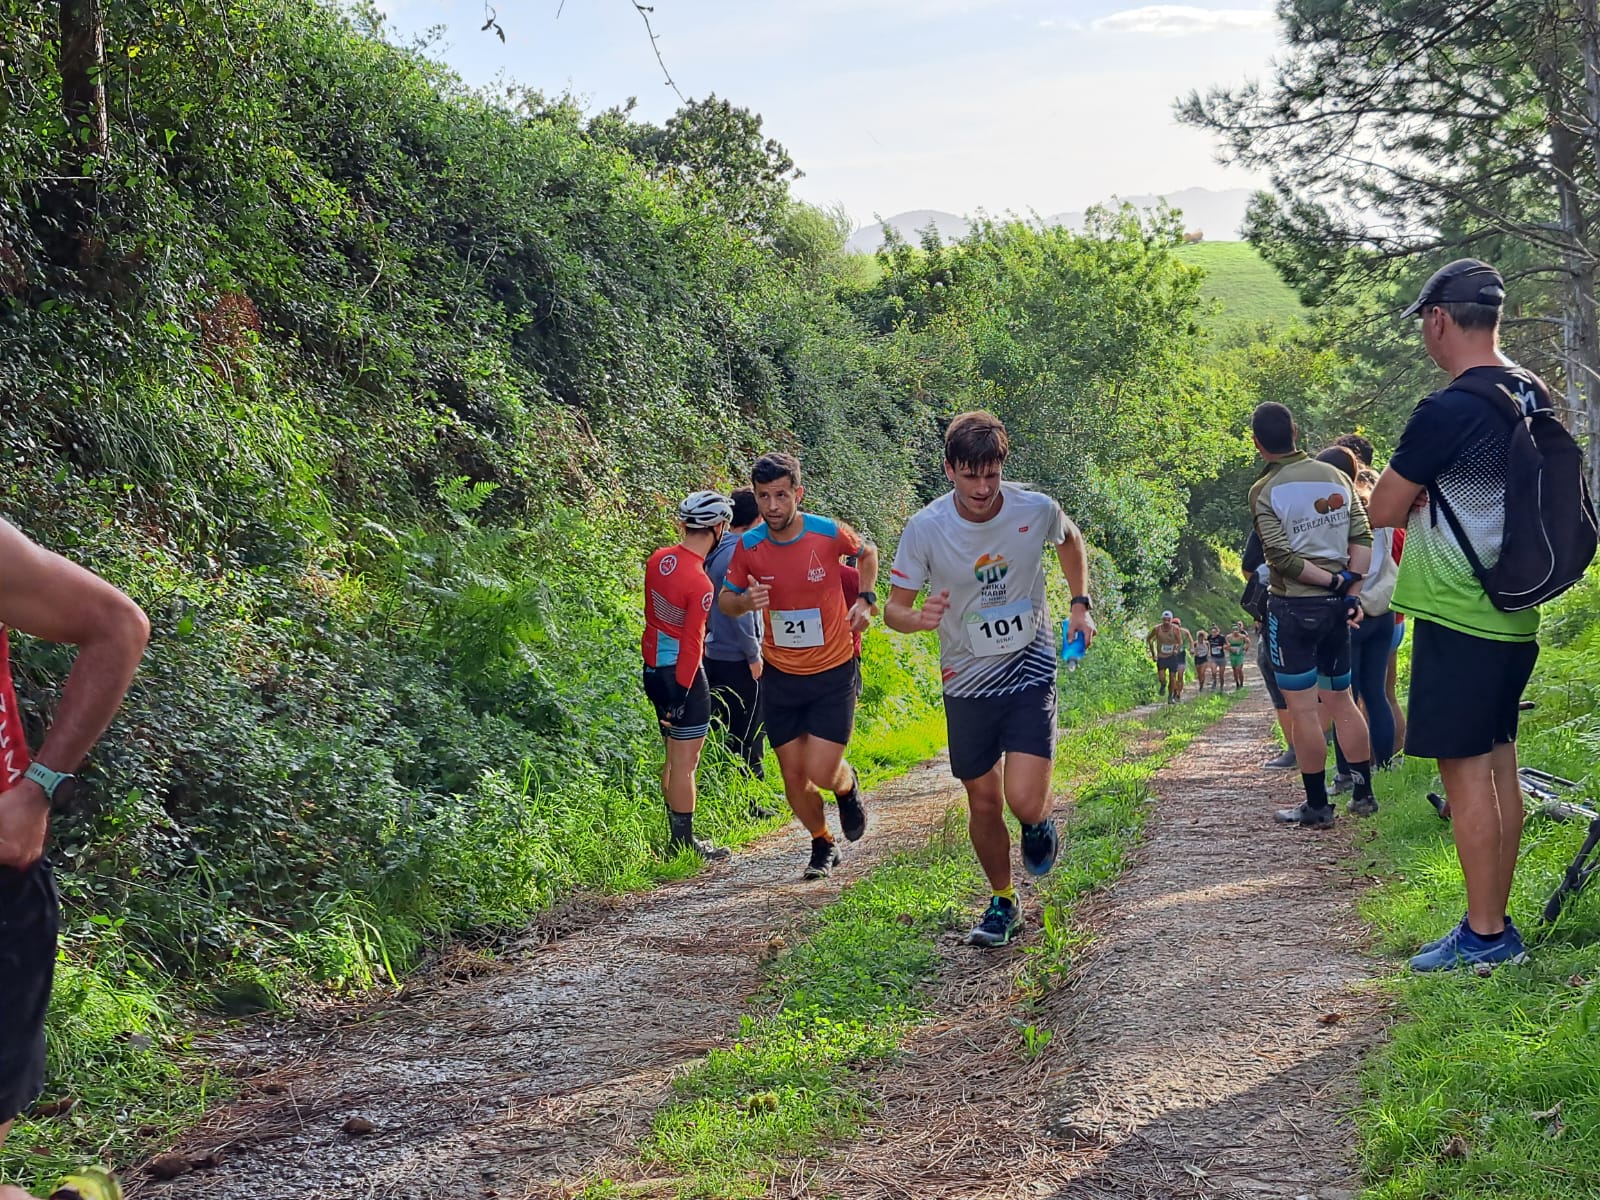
1083,600
54,783
871,598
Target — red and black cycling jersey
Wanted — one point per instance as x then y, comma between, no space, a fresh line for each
677,602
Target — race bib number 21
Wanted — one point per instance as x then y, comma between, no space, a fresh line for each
797,628
1003,630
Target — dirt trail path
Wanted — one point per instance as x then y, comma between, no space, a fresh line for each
1205,1048
527,1074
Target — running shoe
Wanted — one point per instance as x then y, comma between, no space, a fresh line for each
1511,928
706,850
1039,846
1284,762
852,813
1362,806
824,858
760,812
1461,947
1307,816
1342,783
1002,921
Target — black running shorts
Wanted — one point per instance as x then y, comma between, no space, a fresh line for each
1308,640
1171,662
982,728
820,706
1464,691
660,685
30,919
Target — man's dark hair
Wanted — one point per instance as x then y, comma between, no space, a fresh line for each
1342,457
770,468
1472,316
745,511
1357,445
976,440
1273,425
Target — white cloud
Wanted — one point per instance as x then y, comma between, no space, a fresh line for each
1183,20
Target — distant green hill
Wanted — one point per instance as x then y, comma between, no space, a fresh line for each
1250,291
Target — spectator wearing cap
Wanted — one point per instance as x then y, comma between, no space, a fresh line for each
1470,661
733,655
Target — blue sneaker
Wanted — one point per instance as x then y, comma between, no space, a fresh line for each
1511,927
1463,948
1002,921
1039,846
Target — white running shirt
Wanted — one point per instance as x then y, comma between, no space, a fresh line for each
997,637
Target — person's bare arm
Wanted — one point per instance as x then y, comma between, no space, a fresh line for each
1073,554
902,615
1393,500
860,614
44,595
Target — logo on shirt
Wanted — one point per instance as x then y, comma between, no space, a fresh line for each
669,564
705,602
816,573
991,568
1022,529
1332,504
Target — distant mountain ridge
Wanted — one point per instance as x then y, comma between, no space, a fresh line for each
1216,214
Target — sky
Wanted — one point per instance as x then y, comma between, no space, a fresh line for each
892,105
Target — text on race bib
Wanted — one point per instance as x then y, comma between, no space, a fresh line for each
1003,630
796,628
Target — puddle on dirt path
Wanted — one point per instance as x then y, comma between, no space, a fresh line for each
522,1076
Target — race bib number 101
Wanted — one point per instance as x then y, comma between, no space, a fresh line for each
1002,630
797,628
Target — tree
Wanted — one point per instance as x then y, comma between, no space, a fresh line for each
1397,130
83,91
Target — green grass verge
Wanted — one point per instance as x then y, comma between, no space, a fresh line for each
847,996
1491,1086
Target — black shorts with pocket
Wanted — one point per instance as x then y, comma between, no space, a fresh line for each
1464,691
820,706
660,685
30,920
982,728
1308,640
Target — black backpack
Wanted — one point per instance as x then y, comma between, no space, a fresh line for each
1550,528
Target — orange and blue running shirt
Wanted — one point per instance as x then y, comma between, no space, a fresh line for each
677,601
808,625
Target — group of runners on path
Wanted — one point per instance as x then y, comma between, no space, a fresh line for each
975,556
1215,653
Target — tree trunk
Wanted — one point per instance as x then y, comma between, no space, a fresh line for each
83,90
1584,282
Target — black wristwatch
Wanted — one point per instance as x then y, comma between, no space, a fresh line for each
1083,600
871,598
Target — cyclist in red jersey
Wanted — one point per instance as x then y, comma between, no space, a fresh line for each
789,569
45,595
677,602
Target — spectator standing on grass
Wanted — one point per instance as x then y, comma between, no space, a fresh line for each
1372,642
1258,575
1470,660
45,595
1314,533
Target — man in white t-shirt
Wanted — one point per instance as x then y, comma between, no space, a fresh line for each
979,553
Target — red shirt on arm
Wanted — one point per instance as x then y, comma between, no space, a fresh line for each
677,602
14,758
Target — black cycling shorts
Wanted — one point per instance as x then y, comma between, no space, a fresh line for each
1268,675
982,728
661,685
1308,640
820,706
30,920
1464,691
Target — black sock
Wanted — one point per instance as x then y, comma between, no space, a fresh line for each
1361,780
682,826
1316,788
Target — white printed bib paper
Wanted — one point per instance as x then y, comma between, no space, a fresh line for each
1003,630
797,628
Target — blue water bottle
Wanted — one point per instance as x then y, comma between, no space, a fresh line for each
1072,648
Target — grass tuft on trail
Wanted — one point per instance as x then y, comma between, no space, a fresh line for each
846,996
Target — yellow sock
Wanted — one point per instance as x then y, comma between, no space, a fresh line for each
1009,893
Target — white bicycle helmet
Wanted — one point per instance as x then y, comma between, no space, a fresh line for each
703,510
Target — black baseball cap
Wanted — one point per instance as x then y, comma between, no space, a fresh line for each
1465,281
